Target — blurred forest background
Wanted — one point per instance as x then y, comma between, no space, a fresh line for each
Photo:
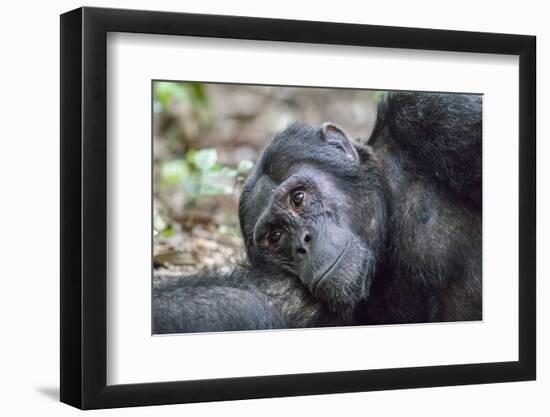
206,140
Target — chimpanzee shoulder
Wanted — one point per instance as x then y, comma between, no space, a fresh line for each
439,136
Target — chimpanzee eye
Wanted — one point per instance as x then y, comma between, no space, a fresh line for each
298,198
275,236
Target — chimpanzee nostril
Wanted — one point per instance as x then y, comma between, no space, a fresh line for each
301,251
302,244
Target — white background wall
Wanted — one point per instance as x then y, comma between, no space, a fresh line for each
29,175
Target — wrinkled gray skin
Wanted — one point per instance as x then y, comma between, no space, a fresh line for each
318,243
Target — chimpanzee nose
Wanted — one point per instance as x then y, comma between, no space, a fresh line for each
302,244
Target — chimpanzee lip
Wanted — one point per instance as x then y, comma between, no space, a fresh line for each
329,269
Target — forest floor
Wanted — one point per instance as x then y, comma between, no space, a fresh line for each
202,248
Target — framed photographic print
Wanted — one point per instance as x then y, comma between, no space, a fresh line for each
258,207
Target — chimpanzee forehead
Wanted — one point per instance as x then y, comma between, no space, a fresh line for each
278,167
297,143
263,188
297,175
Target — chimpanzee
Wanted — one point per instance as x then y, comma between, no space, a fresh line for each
338,233
246,299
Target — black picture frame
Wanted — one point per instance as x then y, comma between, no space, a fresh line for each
84,207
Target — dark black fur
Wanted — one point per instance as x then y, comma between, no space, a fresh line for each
391,232
439,136
243,300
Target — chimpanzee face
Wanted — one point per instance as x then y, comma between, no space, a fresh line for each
300,214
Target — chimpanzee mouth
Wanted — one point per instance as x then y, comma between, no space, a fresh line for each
329,270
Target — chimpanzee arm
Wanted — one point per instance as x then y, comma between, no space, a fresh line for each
241,300
210,303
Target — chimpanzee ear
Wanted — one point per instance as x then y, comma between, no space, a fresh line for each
335,135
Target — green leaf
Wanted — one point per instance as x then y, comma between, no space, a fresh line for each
215,189
244,167
217,167
205,159
158,222
192,187
198,94
227,172
174,172
168,232
216,184
165,92
190,158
